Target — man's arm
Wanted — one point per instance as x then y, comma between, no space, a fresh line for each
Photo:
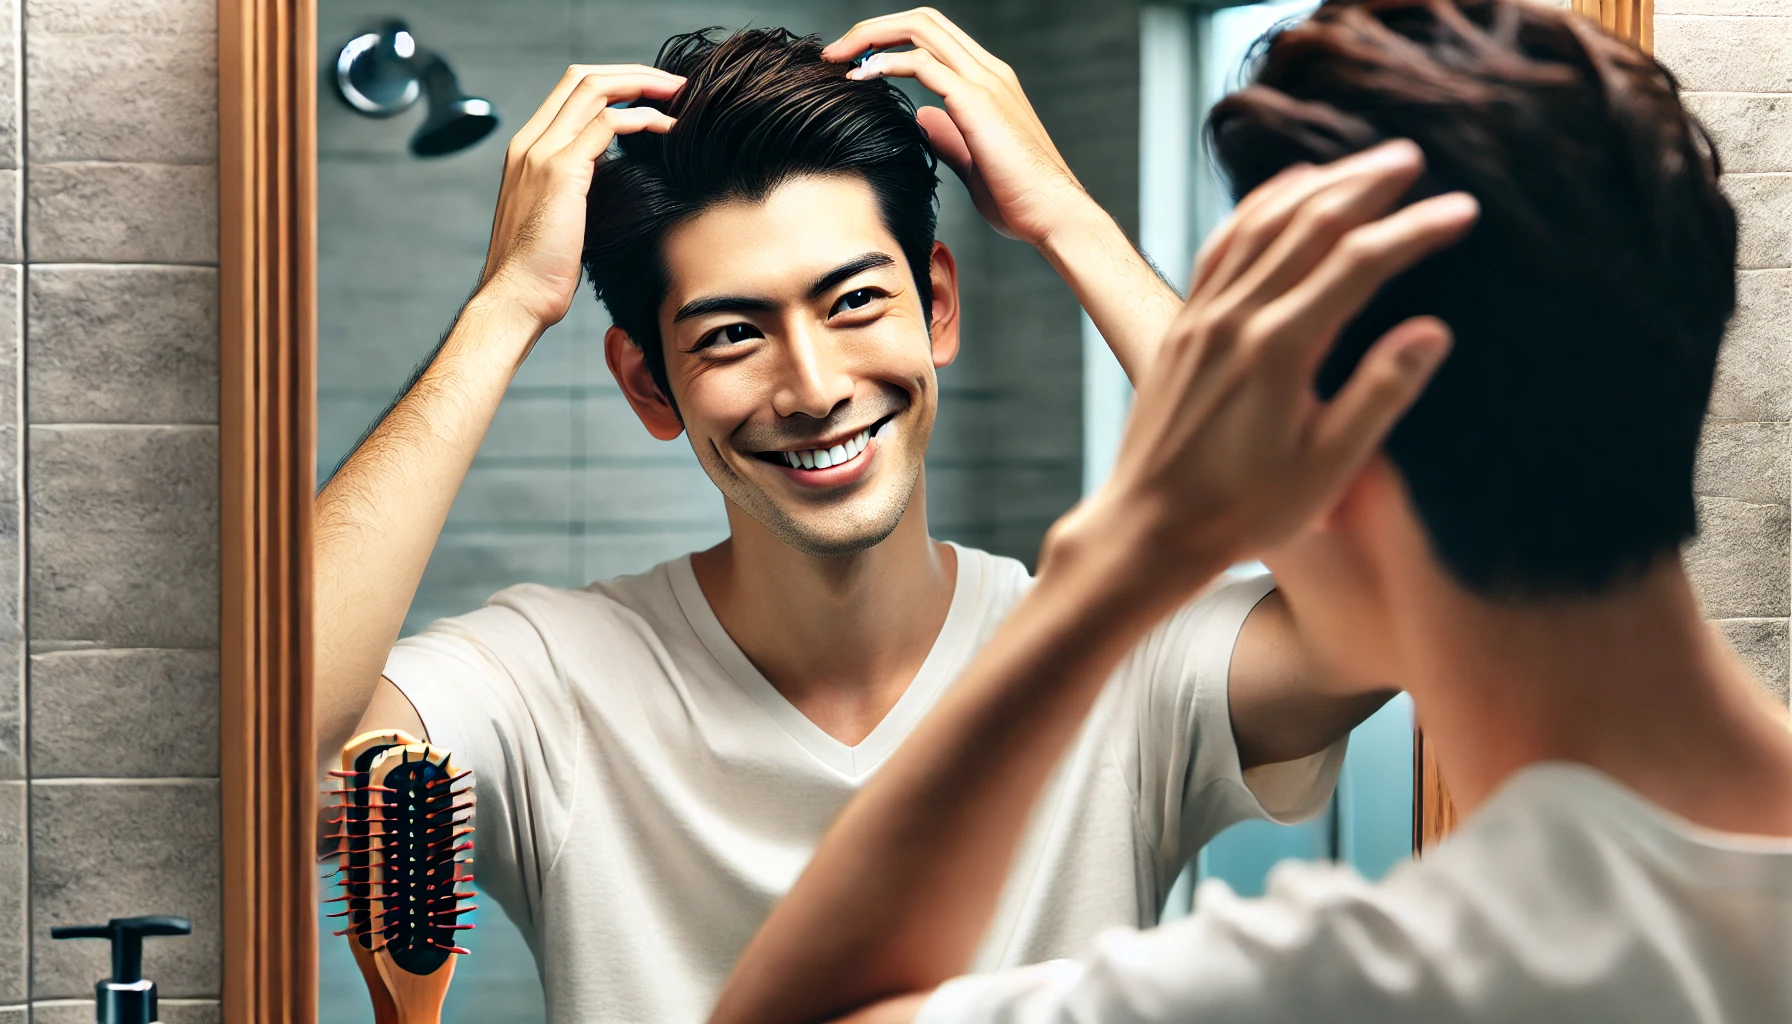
1227,456
989,134
1284,704
991,137
380,515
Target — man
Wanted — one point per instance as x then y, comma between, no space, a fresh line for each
656,755
1510,555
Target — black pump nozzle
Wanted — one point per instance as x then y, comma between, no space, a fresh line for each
125,998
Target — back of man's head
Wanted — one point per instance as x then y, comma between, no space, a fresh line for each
1553,452
758,108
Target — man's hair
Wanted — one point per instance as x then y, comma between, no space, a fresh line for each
758,108
1552,454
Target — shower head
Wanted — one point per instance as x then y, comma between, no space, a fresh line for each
383,72
455,119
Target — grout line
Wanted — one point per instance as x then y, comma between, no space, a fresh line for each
121,265
115,426
182,780
23,477
69,646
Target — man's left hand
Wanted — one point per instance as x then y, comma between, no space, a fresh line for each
988,132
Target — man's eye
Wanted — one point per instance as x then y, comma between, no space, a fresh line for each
854,300
730,335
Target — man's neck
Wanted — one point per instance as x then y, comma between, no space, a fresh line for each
841,638
1633,684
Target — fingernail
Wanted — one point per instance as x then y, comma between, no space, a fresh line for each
871,67
1395,153
863,57
1421,359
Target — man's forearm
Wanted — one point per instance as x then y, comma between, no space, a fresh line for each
380,515
1125,297
938,827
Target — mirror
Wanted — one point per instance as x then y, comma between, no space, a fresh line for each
414,103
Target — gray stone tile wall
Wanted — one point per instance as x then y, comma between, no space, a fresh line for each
1734,59
109,534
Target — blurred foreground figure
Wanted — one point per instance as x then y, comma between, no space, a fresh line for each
1456,412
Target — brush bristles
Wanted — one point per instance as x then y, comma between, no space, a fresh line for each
400,848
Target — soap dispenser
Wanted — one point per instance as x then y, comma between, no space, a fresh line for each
126,998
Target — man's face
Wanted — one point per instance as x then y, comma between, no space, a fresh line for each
800,362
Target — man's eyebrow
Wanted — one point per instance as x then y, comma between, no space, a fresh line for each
722,304
748,304
851,268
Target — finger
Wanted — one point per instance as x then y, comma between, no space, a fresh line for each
921,65
1300,327
665,85
948,142
1220,238
597,136
1315,227
1257,225
914,28
1389,379
587,100
951,146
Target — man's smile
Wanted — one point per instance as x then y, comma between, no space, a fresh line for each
824,453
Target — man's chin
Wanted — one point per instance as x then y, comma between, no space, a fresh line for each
840,531
832,541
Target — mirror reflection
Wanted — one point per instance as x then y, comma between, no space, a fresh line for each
676,568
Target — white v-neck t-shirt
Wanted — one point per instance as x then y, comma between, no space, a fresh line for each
1566,899
644,795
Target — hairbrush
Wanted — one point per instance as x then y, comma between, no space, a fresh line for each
419,817
351,836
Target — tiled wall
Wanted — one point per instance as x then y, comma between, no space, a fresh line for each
568,486
108,398
1734,59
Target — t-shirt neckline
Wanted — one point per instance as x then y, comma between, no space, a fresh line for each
943,660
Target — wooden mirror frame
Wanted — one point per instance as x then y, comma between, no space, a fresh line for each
267,262
267,197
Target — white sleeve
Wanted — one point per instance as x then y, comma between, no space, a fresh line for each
1321,946
487,690
1191,785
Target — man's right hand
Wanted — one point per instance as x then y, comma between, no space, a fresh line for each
532,265
1229,453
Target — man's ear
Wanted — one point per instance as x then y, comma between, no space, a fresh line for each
944,328
629,366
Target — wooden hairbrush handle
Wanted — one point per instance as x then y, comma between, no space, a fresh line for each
417,998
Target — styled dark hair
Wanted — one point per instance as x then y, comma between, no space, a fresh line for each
758,108
1552,454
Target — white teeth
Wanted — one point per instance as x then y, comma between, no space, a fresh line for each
822,458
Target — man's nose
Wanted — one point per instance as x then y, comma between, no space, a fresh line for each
815,378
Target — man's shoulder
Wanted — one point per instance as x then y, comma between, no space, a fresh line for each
1001,580
639,603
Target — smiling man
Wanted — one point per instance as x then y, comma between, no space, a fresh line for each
657,755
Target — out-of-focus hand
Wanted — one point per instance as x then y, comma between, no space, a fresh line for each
988,132
1229,452
532,265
